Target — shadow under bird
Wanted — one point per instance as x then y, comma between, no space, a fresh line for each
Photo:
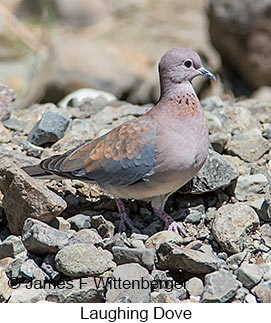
150,157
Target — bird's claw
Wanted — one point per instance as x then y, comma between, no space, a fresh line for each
125,220
178,228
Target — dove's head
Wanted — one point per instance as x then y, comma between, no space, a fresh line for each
181,65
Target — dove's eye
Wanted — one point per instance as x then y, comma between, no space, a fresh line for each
188,63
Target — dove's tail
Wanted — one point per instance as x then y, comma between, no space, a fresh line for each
37,172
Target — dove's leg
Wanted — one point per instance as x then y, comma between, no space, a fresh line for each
170,224
124,218
158,203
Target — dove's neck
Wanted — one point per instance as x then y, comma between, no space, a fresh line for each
170,90
178,101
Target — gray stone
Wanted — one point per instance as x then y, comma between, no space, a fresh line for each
25,197
5,134
220,287
194,286
249,146
240,31
193,217
60,223
162,296
163,236
216,173
249,298
78,132
241,294
49,129
219,141
194,261
83,290
119,240
261,207
80,221
137,244
235,260
139,236
265,230
213,122
267,198
27,295
83,260
153,228
80,96
31,271
212,103
239,216
16,124
263,293
249,275
263,248
32,150
249,185
13,269
7,96
41,239
131,273
5,290
143,256
105,228
89,236
49,267
12,247
120,76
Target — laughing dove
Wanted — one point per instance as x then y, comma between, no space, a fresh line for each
150,157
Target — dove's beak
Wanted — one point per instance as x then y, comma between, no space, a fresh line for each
203,71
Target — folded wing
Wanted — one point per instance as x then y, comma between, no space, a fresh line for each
122,157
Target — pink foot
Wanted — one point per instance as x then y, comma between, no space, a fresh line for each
171,224
124,218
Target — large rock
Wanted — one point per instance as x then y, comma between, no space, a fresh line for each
216,173
82,290
12,247
263,293
194,286
82,96
250,146
49,129
196,260
232,225
89,236
79,222
240,31
163,236
131,273
5,134
24,197
220,287
72,63
143,256
265,230
267,199
83,260
48,266
7,95
40,238
248,186
31,271
249,274
5,290
27,295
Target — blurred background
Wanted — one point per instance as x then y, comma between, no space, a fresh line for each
49,48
